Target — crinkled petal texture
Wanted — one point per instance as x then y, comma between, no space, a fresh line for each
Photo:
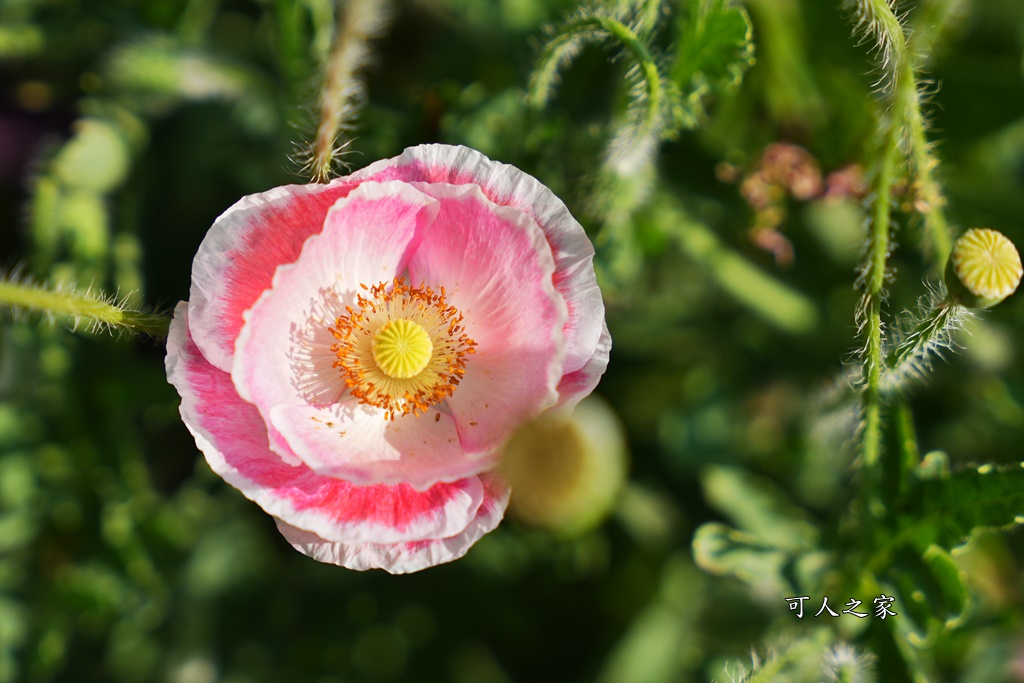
506,185
255,356
393,527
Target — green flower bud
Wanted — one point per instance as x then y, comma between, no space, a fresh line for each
983,269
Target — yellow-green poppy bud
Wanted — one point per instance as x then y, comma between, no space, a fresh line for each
566,470
983,269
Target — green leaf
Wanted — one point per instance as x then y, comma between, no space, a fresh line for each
162,73
758,507
932,594
791,660
949,579
715,49
953,508
722,550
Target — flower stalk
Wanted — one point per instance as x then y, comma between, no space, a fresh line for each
343,92
874,295
81,308
899,62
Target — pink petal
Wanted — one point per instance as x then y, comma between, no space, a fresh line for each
402,558
240,253
495,266
508,186
282,355
358,443
232,436
577,385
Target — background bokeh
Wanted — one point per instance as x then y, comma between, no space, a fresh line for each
127,126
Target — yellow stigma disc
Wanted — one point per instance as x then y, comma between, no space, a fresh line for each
402,348
987,264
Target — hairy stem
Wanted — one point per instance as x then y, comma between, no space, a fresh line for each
79,308
928,200
874,294
592,28
878,19
342,91
899,63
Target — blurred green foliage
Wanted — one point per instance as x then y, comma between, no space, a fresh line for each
126,127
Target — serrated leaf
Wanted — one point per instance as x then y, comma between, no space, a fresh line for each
950,580
951,509
722,550
758,507
932,594
715,49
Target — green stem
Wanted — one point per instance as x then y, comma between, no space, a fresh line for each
929,199
899,64
874,295
81,307
870,313
771,299
342,92
652,79
909,452
590,28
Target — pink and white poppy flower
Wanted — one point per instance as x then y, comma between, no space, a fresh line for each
354,355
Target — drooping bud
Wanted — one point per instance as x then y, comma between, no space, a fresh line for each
983,269
566,470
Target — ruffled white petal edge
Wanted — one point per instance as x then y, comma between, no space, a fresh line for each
575,386
283,348
507,185
242,249
404,558
496,267
232,437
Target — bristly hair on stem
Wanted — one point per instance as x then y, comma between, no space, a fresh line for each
651,97
922,336
879,22
89,310
903,141
343,91
846,664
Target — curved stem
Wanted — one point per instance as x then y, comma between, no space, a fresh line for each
589,28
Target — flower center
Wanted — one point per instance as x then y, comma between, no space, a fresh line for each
401,349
